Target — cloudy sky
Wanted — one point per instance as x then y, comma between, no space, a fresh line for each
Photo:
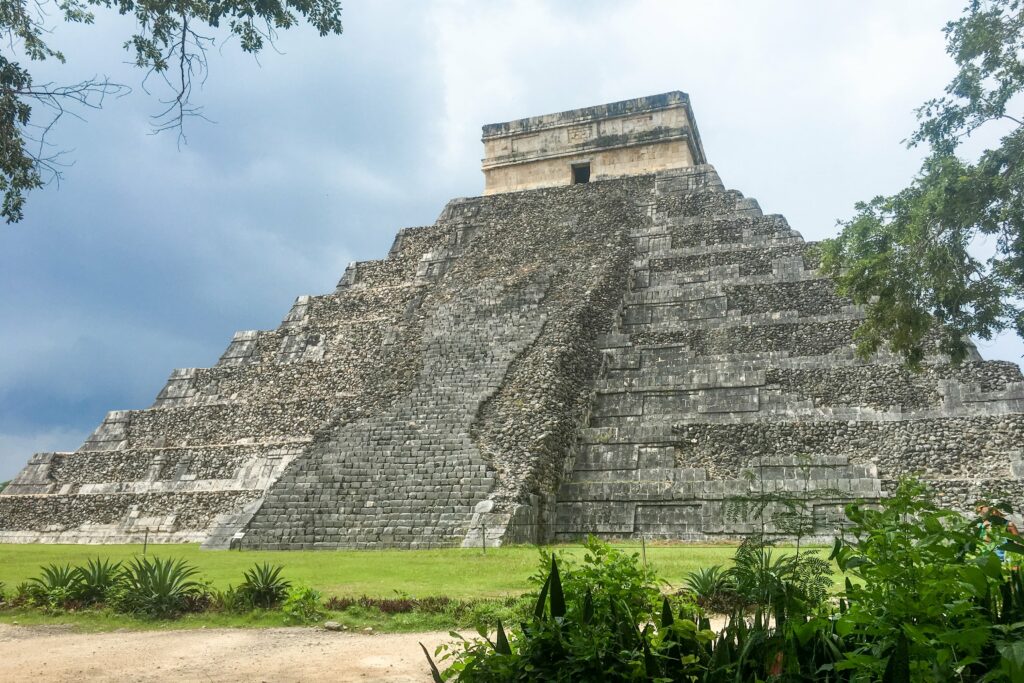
147,257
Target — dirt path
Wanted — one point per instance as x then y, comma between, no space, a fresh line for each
57,653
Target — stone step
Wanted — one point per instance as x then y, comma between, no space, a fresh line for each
780,333
409,247
624,364
666,286
684,203
659,254
666,489
836,380
221,423
224,466
662,378
670,327
176,517
628,435
806,297
696,233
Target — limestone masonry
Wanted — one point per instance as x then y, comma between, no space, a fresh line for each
629,138
607,342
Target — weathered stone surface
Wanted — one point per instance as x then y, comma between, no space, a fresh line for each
627,138
731,372
629,357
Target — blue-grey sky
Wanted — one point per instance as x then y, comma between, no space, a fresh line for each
147,257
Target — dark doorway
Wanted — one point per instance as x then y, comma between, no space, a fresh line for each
580,173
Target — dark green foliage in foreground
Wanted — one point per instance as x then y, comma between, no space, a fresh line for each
713,589
146,586
930,597
930,600
54,588
581,632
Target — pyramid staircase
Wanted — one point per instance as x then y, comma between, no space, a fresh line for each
730,379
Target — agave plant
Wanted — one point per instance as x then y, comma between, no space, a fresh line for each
58,585
96,579
711,587
264,586
157,587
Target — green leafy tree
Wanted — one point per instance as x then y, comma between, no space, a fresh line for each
170,45
943,259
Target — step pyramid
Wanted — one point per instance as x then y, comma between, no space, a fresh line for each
631,351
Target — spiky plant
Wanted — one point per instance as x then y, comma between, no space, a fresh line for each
712,587
96,579
55,588
264,586
157,587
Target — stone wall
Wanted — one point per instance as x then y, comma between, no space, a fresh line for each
604,164
628,138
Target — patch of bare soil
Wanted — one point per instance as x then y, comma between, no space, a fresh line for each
57,653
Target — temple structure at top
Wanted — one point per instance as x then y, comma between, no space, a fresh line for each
627,138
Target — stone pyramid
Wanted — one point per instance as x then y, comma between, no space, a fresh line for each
606,342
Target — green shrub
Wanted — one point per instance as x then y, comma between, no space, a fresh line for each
712,588
96,580
158,588
22,595
932,601
263,586
610,576
458,613
570,639
777,584
303,605
229,600
480,614
56,588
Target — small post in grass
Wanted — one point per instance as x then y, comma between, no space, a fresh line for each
643,550
481,509
145,542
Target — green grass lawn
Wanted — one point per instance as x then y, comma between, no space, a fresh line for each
460,574
456,573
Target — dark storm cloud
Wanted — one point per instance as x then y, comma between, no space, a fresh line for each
147,258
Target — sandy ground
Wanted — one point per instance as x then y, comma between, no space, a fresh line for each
57,653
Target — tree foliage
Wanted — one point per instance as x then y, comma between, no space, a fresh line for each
943,259
170,45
